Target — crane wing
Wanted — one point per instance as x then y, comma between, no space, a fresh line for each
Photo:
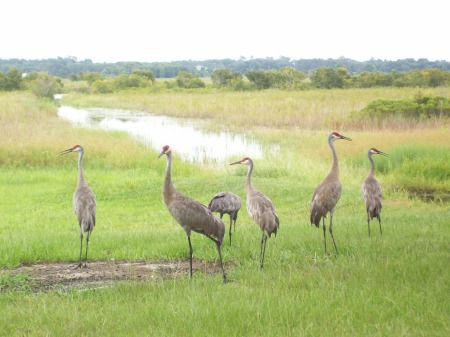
372,195
324,200
192,215
262,211
85,207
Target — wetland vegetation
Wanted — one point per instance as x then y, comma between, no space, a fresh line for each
390,285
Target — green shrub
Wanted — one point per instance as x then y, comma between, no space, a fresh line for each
418,107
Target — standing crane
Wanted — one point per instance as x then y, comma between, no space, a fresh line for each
190,214
371,191
327,194
260,208
83,203
226,203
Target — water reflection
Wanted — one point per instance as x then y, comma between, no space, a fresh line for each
185,136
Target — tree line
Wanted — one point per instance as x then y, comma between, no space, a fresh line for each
71,67
44,84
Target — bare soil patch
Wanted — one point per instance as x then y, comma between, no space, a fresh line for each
65,276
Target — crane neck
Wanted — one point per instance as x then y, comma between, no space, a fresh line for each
372,165
335,166
168,187
80,168
248,182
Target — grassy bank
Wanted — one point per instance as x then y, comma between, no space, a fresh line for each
390,285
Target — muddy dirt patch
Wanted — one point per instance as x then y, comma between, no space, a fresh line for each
65,275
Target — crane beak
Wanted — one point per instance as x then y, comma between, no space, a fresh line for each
382,153
238,162
66,151
162,152
346,138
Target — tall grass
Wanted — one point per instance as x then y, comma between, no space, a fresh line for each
313,109
390,285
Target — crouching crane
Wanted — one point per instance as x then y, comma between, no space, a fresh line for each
226,203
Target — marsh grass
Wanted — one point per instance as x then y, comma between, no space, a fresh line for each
314,109
390,285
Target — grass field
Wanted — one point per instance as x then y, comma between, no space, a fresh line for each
396,284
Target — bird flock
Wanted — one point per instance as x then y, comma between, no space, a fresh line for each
196,217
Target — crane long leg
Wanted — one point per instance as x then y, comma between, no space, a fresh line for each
218,244
221,263
331,232
190,256
263,249
81,248
368,222
379,221
87,245
231,225
324,234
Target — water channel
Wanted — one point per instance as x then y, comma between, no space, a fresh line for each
185,136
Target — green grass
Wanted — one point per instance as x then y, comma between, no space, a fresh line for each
390,285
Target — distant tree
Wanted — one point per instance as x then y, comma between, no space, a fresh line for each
225,78
127,81
293,79
2,82
147,74
260,79
74,77
102,87
45,85
327,78
12,79
437,77
188,80
91,77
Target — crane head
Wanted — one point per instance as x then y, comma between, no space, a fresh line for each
244,161
165,150
336,135
75,148
375,151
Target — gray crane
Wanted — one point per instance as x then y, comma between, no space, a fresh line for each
226,203
260,208
327,194
83,203
371,191
190,214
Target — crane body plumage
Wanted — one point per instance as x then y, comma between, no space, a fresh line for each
260,208
327,193
226,203
371,192
190,214
84,203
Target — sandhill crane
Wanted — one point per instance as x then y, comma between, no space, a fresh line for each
190,214
226,203
327,194
260,208
83,203
371,191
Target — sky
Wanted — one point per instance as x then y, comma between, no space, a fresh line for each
174,30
